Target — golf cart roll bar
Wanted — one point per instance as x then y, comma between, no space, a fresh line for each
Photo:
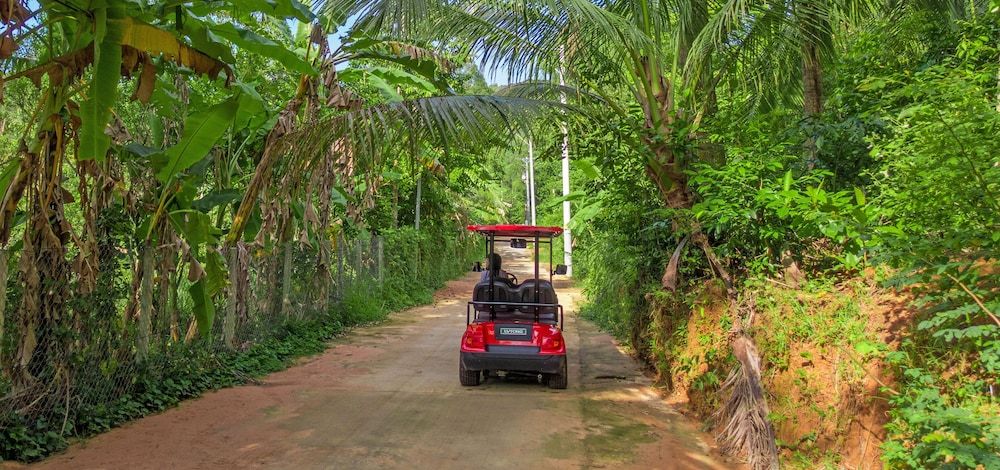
493,314
523,233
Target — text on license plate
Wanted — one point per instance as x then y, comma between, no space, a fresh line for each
513,331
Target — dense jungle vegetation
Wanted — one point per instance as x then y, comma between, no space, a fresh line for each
789,209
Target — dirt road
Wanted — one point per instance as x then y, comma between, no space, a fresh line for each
389,397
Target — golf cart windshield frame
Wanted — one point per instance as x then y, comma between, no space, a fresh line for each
531,234
537,236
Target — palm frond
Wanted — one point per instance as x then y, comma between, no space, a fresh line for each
444,121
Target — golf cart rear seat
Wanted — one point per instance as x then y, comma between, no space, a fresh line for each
546,295
504,292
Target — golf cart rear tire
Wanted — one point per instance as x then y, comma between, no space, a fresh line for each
561,380
469,378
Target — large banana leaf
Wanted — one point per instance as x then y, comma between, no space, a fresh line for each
263,46
280,9
208,269
195,227
95,112
204,309
201,131
155,41
253,113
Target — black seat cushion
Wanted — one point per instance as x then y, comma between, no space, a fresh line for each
546,295
502,292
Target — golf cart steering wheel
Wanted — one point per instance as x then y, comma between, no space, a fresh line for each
513,278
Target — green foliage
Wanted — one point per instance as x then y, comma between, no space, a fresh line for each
415,267
762,209
96,110
614,286
938,184
905,180
935,426
202,130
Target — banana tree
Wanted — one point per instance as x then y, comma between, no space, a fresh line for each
76,53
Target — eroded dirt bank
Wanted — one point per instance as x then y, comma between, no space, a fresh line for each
389,397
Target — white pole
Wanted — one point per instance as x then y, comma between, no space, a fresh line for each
527,194
567,237
531,180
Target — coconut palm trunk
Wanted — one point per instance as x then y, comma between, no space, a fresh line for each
812,81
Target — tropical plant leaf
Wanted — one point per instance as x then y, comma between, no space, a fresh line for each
217,198
585,214
152,40
252,112
201,131
195,227
263,46
586,167
204,309
425,62
573,196
140,151
216,274
203,39
7,174
402,78
280,9
95,112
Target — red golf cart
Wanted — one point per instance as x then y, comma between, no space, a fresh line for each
511,327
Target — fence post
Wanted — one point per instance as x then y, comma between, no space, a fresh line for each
381,260
286,281
327,279
4,257
229,322
340,267
145,303
358,260
420,264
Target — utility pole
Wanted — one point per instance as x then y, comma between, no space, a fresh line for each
567,237
531,180
527,193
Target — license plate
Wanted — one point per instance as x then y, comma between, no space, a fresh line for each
508,331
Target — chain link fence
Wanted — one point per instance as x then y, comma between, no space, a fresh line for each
94,368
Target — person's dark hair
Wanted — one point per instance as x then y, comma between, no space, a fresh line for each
494,262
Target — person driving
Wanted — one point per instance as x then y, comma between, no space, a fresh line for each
493,264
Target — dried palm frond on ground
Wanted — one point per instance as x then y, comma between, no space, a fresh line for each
745,428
